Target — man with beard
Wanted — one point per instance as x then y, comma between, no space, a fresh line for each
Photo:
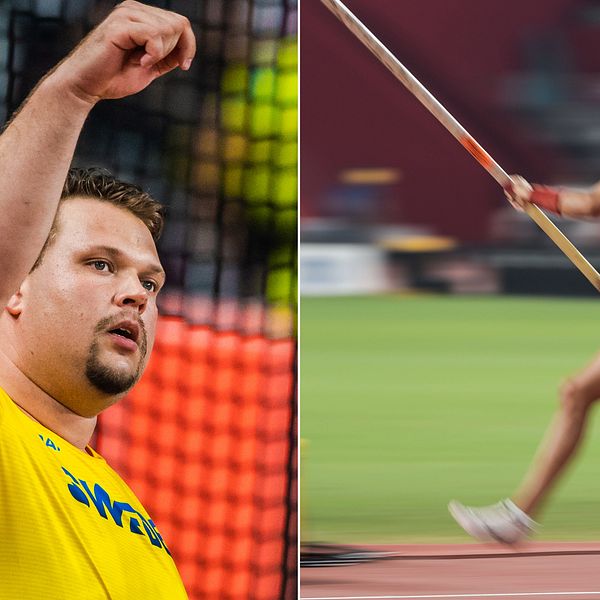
80,275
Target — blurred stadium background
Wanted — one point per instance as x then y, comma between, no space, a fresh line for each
208,438
436,321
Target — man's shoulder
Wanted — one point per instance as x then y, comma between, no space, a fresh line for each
7,405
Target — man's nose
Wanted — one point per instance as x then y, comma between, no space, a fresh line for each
132,294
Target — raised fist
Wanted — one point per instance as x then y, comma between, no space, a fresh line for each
133,46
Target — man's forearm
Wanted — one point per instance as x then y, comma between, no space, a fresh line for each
568,202
36,150
579,204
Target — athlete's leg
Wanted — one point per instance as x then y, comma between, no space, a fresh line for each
562,438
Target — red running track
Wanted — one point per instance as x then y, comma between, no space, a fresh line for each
536,571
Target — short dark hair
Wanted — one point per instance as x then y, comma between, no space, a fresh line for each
99,184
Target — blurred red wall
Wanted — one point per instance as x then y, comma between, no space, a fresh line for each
354,113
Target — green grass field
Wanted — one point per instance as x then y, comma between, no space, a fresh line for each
407,402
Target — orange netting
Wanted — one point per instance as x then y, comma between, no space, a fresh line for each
207,441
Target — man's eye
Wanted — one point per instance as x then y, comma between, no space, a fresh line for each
149,285
101,265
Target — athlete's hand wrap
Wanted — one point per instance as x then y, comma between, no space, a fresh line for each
545,197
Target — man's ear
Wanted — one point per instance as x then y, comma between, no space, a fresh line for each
14,306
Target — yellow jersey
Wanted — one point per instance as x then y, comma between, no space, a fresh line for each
70,527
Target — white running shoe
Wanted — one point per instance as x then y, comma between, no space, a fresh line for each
504,522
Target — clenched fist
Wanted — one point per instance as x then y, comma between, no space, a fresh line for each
133,46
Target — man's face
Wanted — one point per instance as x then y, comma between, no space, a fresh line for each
86,317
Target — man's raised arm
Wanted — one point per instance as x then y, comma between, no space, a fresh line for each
133,46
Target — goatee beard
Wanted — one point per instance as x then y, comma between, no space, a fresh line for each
103,377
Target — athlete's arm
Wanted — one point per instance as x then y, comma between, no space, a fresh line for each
580,203
568,202
133,46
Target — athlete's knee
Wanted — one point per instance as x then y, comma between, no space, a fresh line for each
575,397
